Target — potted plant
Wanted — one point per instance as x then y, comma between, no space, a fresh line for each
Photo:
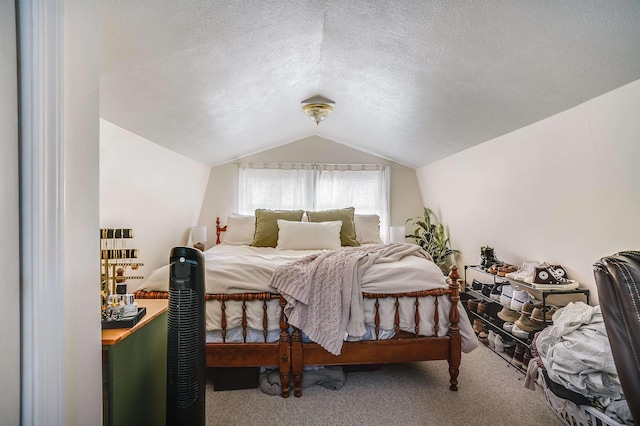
432,237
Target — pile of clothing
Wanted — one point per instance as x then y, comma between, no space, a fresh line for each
574,355
329,377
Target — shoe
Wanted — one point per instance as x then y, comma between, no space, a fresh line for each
525,324
472,305
492,339
483,337
526,358
478,326
519,333
519,298
508,327
545,314
486,290
528,308
550,274
495,319
493,269
518,355
508,315
482,307
496,291
488,257
505,269
506,295
476,285
490,311
558,272
510,349
498,343
527,270
502,343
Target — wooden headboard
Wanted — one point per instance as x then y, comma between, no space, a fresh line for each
219,229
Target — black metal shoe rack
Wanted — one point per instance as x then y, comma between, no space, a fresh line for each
491,322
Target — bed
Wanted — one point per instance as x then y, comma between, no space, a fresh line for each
409,310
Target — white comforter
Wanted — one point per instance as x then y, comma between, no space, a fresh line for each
245,269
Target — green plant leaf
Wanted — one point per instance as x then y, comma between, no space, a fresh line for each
432,237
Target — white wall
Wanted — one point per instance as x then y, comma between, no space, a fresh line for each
563,190
83,354
9,219
61,362
146,187
221,197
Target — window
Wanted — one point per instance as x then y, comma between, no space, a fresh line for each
316,187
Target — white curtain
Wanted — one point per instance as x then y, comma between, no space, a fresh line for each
275,186
316,187
365,187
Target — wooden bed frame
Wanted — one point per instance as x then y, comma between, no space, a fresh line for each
291,355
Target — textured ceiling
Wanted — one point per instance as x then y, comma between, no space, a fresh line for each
413,81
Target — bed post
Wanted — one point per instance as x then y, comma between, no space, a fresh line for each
219,229
284,351
297,361
455,346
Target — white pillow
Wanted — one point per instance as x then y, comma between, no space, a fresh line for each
367,228
240,229
308,235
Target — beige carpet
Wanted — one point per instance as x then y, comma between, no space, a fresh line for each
490,392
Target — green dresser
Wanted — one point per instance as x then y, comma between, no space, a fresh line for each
134,369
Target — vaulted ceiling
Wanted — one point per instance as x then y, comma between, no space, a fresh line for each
412,81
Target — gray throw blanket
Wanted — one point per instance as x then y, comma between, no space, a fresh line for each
323,292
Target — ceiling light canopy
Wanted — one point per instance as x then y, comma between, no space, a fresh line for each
318,108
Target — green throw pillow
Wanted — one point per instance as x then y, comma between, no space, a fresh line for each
348,230
266,234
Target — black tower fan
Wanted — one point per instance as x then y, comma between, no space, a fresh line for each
186,363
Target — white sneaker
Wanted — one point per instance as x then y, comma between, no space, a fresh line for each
506,295
508,327
519,333
519,298
498,343
501,344
527,270
492,339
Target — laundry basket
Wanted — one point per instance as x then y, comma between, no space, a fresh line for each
575,415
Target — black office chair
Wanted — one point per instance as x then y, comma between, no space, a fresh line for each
618,282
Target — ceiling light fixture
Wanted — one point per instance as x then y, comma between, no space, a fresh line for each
317,108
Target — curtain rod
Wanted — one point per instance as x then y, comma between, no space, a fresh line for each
391,164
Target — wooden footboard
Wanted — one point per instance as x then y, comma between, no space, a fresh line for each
246,354
403,347
290,354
